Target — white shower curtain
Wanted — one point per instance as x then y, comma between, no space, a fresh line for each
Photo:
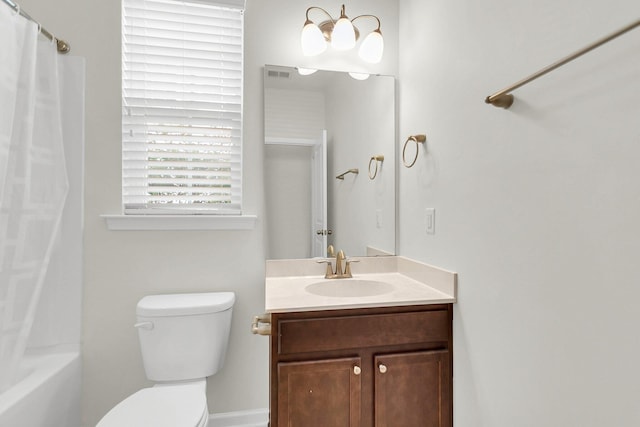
33,179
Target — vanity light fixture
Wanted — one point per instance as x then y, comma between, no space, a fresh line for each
342,35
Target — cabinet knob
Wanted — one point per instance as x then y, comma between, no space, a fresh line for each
382,368
357,370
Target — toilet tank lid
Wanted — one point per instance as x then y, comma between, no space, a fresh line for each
185,304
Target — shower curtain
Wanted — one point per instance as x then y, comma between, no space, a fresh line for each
33,179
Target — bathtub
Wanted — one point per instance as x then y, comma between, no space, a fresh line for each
47,395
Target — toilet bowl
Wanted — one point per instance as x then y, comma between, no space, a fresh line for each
183,340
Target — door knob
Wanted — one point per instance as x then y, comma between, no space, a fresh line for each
357,370
324,232
382,368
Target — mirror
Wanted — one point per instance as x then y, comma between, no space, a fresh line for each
324,185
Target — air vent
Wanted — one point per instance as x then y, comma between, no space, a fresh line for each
279,74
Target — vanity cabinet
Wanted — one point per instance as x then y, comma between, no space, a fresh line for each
382,367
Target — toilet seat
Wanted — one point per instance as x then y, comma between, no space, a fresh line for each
177,405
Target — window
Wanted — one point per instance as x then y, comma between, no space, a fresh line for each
181,107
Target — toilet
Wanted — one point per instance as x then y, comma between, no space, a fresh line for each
183,340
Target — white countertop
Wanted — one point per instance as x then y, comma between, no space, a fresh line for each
411,283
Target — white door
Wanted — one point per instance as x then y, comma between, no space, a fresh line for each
319,197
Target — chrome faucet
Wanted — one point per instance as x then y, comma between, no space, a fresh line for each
339,272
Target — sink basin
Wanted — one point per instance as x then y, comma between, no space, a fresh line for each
349,288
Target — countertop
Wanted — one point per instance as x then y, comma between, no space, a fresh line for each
411,283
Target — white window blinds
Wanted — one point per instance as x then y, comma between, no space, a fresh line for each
182,107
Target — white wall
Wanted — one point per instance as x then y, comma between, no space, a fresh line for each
537,207
121,267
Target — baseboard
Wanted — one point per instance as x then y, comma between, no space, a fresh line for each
250,418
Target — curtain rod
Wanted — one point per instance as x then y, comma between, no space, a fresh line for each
504,99
63,46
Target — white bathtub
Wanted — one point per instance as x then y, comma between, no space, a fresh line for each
48,395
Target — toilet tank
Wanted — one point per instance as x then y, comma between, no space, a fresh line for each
184,336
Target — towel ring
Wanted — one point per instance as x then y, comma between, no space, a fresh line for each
418,139
376,159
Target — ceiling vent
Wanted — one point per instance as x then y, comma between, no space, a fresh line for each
279,74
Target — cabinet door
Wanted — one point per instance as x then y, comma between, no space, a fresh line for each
413,389
319,393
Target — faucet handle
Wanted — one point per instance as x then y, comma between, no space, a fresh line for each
327,261
347,266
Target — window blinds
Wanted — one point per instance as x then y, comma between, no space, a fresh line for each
182,107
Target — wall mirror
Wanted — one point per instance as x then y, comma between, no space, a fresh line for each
330,159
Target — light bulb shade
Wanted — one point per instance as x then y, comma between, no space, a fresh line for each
306,71
372,47
312,40
343,36
359,76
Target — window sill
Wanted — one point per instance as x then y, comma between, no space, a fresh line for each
180,222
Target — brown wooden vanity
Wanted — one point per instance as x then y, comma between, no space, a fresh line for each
364,367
